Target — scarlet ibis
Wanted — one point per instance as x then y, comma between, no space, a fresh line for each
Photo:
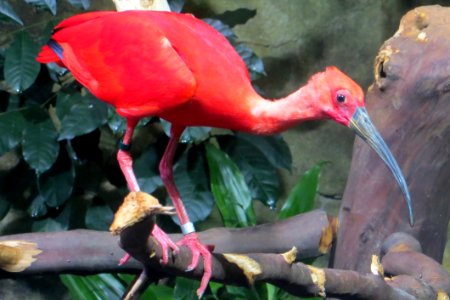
174,66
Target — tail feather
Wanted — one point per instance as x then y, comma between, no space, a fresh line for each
47,55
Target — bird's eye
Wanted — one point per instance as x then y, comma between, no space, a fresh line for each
340,98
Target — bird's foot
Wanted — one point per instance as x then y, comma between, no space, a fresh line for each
198,249
165,242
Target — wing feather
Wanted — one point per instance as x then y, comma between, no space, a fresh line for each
125,61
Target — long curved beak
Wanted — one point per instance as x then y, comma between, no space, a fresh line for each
364,128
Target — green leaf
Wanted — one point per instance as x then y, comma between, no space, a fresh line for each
94,287
48,4
116,123
57,188
145,167
185,289
4,207
154,291
302,196
254,64
236,17
85,115
38,208
192,134
84,4
21,67
12,125
261,177
176,5
7,10
58,223
99,217
39,145
273,147
190,174
232,194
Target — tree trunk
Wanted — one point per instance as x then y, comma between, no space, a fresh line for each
410,105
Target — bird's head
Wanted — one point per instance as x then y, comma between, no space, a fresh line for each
339,96
342,100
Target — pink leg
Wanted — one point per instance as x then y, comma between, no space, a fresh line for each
126,165
190,239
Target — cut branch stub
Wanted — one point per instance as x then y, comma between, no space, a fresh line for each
16,256
136,207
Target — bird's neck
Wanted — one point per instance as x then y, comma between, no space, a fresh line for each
272,116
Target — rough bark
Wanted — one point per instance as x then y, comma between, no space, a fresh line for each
76,252
410,104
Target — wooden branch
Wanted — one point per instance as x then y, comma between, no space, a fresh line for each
409,104
245,269
404,257
89,252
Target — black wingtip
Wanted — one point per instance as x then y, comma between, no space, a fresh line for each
56,48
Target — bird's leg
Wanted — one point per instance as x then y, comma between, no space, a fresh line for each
126,165
190,239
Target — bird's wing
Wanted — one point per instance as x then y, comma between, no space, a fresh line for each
125,60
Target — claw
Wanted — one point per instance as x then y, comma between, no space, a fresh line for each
192,241
124,259
165,242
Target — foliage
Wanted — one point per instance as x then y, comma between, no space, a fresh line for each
64,141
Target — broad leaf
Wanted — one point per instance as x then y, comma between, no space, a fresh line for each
190,176
46,4
60,223
301,198
85,115
4,207
12,125
261,177
254,64
94,287
145,168
176,5
273,147
154,291
235,17
228,185
223,28
116,123
39,146
48,225
99,217
21,67
7,10
57,188
38,209
185,289
192,134
84,4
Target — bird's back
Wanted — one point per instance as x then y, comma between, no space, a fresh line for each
151,63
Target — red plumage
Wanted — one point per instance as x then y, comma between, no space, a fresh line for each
148,63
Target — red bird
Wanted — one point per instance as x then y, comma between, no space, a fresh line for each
174,66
